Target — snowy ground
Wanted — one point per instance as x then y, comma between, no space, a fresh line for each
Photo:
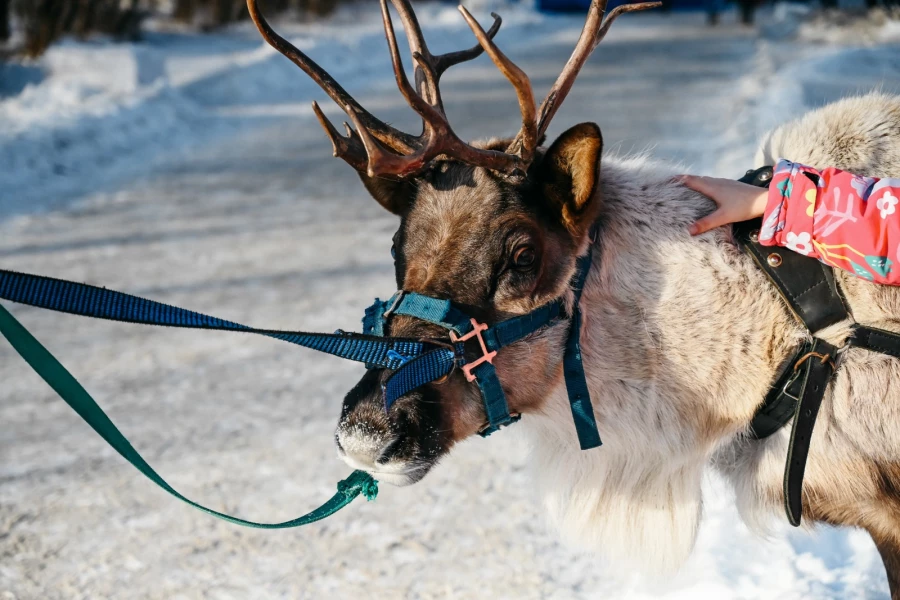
189,170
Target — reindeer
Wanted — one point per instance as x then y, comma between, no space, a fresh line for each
681,336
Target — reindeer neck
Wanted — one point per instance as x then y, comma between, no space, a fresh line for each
682,334
680,340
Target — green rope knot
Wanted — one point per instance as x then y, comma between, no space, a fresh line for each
359,482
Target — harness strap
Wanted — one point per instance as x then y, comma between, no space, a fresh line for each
807,286
495,405
810,293
815,371
512,330
780,403
433,310
373,321
573,368
876,340
68,388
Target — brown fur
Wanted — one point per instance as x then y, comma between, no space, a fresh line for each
570,175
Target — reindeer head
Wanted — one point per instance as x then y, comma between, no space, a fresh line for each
494,227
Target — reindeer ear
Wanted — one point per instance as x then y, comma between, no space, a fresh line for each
394,195
568,175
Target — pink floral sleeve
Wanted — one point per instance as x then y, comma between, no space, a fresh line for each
844,220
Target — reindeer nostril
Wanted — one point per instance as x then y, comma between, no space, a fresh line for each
337,442
388,451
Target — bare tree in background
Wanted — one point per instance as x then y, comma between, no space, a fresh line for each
42,22
209,14
4,20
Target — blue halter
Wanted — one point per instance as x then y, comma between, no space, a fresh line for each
413,362
434,364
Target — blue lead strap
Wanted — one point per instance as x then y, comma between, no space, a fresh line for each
422,369
91,301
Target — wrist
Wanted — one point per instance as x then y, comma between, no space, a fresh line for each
759,203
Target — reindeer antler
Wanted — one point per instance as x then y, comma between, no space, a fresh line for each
428,78
593,32
376,148
380,150
437,137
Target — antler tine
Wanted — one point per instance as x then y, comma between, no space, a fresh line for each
427,89
437,137
394,138
445,61
381,162
595,29
526,140
348,148
427,81
416,102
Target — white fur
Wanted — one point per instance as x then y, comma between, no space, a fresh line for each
681,339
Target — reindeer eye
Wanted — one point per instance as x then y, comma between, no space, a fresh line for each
393,251
524,257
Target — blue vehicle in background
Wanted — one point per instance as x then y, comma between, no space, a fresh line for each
712,7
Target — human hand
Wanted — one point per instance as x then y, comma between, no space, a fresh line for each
736,201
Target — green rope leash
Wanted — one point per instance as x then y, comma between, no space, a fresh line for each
68,388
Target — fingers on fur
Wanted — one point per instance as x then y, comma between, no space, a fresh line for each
716,219
695,182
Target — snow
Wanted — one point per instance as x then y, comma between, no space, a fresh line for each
188,169
101,113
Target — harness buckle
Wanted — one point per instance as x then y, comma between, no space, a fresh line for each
786,388
486,356
795,375
487,429
398,298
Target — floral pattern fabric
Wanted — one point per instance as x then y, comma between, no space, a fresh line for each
844,220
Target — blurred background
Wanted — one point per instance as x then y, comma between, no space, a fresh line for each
160,148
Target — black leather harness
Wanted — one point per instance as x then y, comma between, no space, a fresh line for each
810,291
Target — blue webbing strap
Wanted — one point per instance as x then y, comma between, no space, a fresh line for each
512,330
432,365
439,312
90,301
573,368
373,321
435,364
495,404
